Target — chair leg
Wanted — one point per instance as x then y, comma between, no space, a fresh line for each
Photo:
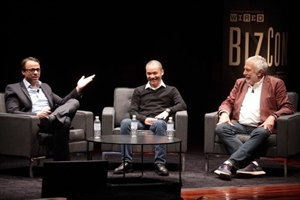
31,160
206,163
285,166
183,161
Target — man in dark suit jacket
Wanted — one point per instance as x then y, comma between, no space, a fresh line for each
254,104
32,97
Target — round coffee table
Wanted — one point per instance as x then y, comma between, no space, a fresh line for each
139,140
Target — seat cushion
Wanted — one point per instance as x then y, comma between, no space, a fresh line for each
75,135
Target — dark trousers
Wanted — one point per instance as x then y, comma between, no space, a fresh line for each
60,129
242,153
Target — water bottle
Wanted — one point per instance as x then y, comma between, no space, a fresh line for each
170,128
134,126
97,127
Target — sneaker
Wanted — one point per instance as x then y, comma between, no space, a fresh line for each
224,171
252,169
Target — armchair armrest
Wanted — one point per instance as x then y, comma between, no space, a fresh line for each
181,128
24,135
288,134
108,119
210,121
84,120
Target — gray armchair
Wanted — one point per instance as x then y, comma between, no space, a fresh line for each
112,117
19,135
280,146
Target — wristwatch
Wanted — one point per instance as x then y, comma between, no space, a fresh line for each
168,110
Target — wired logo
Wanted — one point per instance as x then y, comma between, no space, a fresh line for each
247,17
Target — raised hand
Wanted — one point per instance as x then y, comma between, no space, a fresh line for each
82,82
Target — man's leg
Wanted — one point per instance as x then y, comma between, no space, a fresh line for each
227,135
125,129
61,142
61,125
246,154
126,150
66,111
159,128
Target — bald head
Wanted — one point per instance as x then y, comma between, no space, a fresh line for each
154,63
154,73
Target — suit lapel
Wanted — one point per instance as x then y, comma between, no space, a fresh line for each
25,91
47,94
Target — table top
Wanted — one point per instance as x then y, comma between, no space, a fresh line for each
140,139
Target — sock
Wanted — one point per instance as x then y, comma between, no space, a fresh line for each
255,163
227,162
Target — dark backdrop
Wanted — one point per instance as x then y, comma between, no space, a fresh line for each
115,39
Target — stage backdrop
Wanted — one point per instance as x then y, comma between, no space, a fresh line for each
251,28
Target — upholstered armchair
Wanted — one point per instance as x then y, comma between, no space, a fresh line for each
112,117
19,135
282,145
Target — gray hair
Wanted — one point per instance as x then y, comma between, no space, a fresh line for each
259,63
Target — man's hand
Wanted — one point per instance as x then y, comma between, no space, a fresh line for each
83,82
269,123
162,115
150,121
224,118
43,113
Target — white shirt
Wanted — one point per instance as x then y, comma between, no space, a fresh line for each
250,109
38,98
149,86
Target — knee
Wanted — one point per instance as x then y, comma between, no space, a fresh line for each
75,102
264,133
125,123
219,129
159,126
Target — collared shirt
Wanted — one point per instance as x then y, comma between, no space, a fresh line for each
250,109
37,96
149,86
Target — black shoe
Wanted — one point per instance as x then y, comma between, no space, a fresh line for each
128,168
161,170
47,121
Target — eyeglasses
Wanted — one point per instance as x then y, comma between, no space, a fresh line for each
32,70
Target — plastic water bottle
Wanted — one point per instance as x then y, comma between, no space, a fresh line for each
134,126
170,128
97,127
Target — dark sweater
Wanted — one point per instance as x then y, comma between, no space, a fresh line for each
149,103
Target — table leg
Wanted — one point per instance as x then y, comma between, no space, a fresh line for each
88,154
142,158
123,161
180,165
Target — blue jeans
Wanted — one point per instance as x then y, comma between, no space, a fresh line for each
242,153
159,127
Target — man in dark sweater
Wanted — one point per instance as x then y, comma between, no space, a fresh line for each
152,103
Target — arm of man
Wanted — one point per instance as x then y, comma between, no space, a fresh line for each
16,101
